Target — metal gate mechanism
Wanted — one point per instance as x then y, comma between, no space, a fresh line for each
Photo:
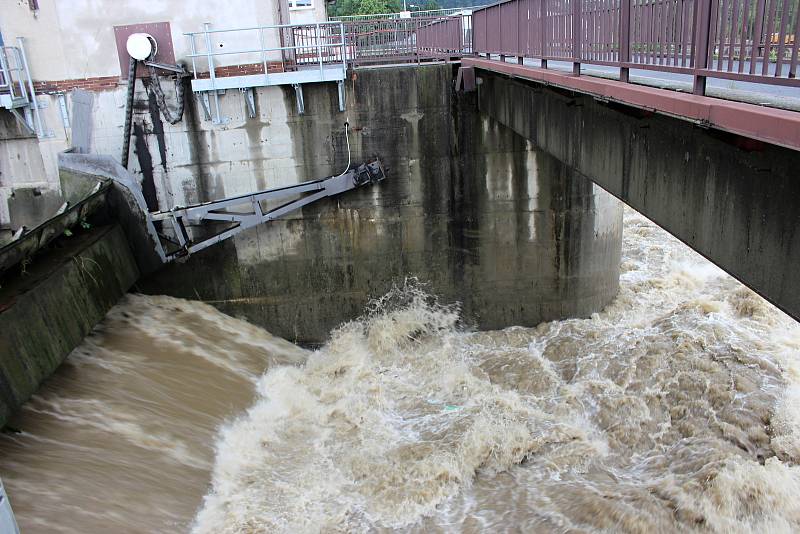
242,212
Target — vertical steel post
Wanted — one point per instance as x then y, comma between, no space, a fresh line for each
263,54
576,37
319,48
344,49
211,74
700,52
193,46
31,89
542,31
625,40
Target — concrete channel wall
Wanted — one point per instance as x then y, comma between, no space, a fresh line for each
469,207
48,306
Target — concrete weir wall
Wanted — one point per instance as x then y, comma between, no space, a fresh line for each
469,207
48,306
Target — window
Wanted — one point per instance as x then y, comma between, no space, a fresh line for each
300,4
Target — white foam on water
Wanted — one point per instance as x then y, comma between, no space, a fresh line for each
675,409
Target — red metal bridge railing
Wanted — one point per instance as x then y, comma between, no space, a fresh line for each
403,40
749,40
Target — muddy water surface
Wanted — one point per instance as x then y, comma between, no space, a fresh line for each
674,410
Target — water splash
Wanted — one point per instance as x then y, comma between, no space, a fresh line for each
675,409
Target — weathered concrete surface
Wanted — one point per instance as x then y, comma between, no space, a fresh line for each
31,206
469,207
126,205
22,170
46,311
732,200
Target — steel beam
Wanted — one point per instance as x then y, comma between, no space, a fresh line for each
246,211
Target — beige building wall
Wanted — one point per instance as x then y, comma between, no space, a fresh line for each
74,40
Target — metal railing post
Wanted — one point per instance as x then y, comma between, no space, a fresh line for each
193,47
576,37
624,39
344,49
319,48
211,74
34,103
542,31
263,54
700,48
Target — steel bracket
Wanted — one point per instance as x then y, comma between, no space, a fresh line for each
23,121
342,96
250,101
205,104
298,93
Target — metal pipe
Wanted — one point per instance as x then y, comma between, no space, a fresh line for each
34,103
267,27
319,48
344,49
257,50
194,51
126,131
263,56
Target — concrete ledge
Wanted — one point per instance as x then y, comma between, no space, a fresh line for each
775,126
46,312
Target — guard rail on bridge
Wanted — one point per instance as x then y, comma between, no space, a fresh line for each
747,40
414,39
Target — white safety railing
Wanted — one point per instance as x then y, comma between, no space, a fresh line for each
16,87
12,73
286,47
298,45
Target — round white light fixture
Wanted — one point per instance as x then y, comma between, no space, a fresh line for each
141,46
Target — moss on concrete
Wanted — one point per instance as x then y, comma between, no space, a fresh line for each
46,311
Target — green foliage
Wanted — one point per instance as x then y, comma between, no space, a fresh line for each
359,7
371,7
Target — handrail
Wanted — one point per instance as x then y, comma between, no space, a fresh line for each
746,40
13,75
322,44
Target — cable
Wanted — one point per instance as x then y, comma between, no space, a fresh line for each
155,88
347,137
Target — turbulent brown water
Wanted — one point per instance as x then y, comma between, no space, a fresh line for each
676,409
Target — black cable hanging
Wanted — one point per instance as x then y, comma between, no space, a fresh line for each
161,100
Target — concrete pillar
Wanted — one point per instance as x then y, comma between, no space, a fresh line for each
469,207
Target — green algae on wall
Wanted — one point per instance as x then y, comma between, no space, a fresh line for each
46,312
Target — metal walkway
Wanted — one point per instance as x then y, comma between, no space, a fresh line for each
308,53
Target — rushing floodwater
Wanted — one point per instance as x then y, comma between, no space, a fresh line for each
676,409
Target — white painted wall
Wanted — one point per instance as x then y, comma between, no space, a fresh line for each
74,39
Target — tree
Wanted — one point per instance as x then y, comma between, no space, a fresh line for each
360,7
